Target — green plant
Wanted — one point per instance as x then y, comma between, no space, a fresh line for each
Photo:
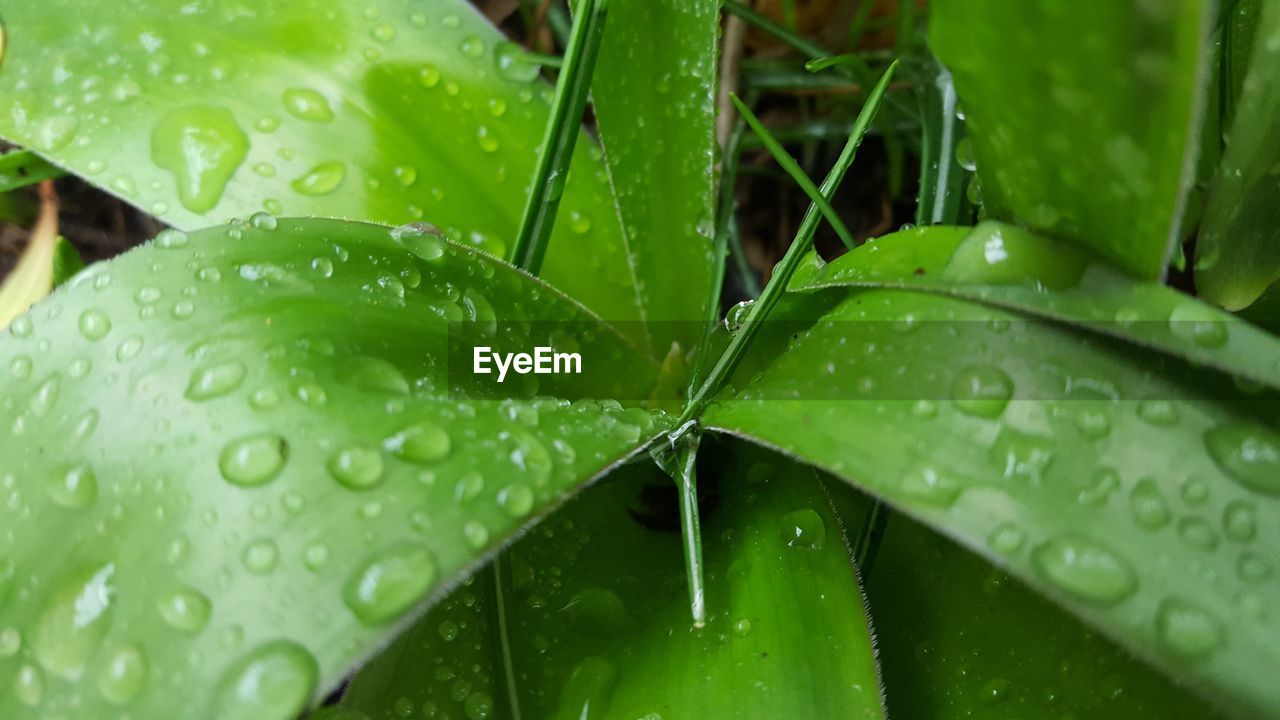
240,462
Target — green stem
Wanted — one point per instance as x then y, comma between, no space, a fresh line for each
680,463
563,129
797,173
773,292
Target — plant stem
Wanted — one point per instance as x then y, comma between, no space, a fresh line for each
773,292
563,129
680,462
797,173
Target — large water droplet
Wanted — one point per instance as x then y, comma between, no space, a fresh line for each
982,390
322,179
389,583
202,146
185,608
74,622
514,64
516,499
1085,569
421,442
1188,629
370,373
253,459
124,675
1248,452
1239,521
1147,504
213,381
358,468
74,486
804,528
307,104
1200,324
94,324
272,682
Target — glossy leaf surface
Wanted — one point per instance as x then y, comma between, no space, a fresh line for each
389,111
1012,268
234,461
990,647
1046,450
1238,251
654,103
590,637
1049,91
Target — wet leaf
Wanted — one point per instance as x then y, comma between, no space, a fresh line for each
1049,91
384,111
655,107
21,168
236,461
1238,251
588,637
1047,450
1012,268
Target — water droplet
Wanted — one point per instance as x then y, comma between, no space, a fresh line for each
307,104
804,528
1187,629
476,533
982,390
1148,506
263,221
185,608
737,315
1093,424
996,690
356,467
1248,452
124,675
389,583
486,139
260,556
253,459
478,706
316,556
1160,413
28,686
74,487
429,75
202,146
94,324
1239,521
383,32
1085,569
516,499
74,622
472,46
421,442
272,682
1200,324
513,64
1007,539
964,155
214,381
322,179
1197,533
448,631
376,374
931,485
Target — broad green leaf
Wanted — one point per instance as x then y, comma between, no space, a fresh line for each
588,636
1012,268
66,261
654,103
387,111
1141,494
21,168
1238,252
959,638
235,462
32,278
1083,116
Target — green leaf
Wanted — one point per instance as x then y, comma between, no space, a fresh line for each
1050,91
243,454
589,637
1238,252
66,261
1136,491
654,102
21,168
380,112
1015,269
987,646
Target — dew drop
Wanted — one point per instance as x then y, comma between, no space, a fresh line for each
983,391
1085,569
804,528
74,487
357,468
185,608
253,459
307,104
513,64
124,675
260,556
94,324
217,380
389,583
1007,539
322,179
1147,505
516,499
476,534
1160,413
202,146
421,442
1188,629
1248,452
272,682
74,622
1239,521
1199,324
